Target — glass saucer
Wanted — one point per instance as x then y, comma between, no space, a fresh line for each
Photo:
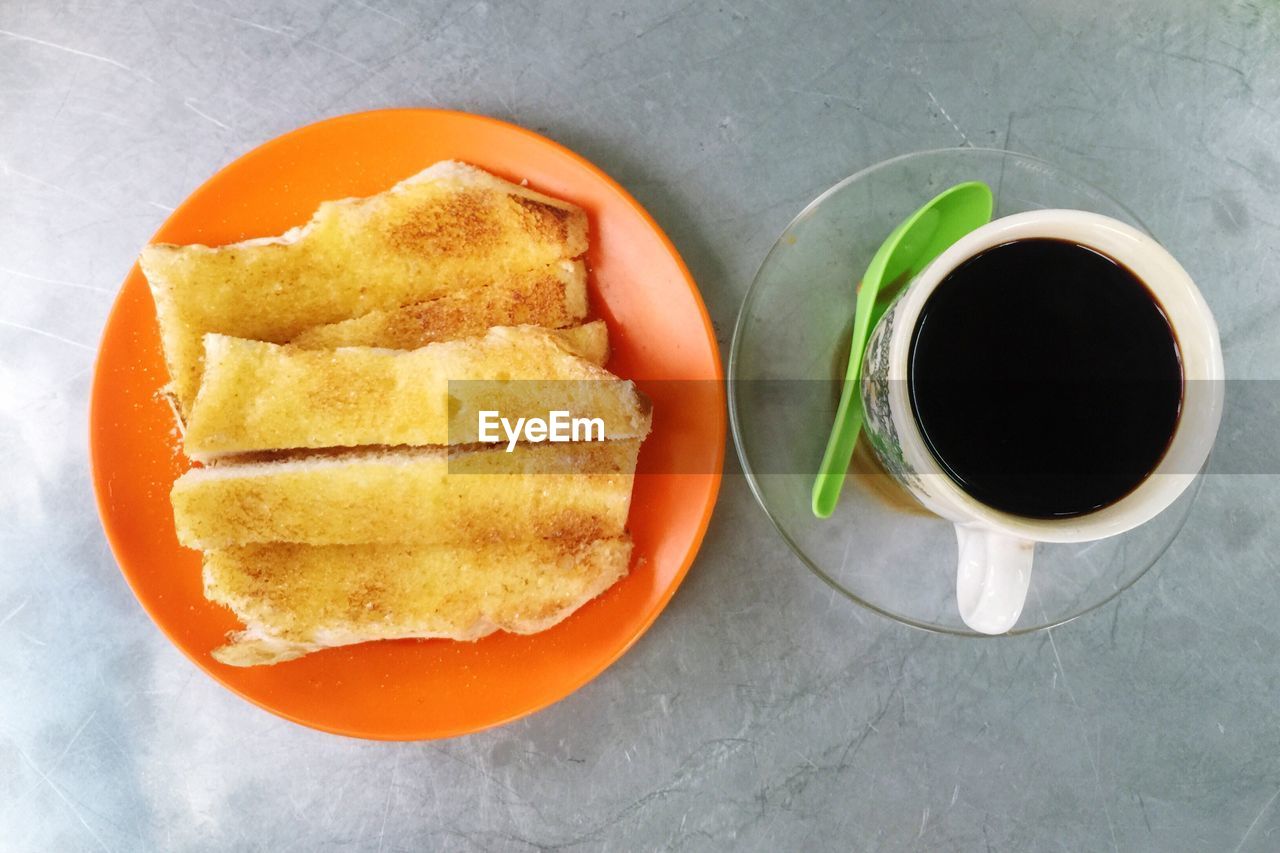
789,350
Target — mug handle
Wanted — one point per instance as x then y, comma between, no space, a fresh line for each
992,576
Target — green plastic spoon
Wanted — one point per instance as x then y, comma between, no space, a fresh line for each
920,238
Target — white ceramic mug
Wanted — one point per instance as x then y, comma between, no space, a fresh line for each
995,547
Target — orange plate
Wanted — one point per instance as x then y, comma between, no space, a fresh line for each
408,689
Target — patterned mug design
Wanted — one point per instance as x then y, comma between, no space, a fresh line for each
877,410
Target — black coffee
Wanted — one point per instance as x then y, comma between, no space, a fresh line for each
1045,378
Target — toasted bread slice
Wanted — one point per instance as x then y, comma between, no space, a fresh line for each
430,496
554,296
296,599
258,396
450,227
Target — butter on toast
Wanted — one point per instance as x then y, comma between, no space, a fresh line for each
258,396
589,342
450,227
296,599
554,296
579,491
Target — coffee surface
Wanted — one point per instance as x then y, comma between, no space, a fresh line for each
1045,378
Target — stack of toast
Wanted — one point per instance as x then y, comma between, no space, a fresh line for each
318,378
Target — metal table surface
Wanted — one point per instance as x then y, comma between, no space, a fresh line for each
760,712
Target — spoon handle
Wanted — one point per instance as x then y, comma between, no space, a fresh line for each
848,420
835,461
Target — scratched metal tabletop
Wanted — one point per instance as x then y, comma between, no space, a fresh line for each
760,712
